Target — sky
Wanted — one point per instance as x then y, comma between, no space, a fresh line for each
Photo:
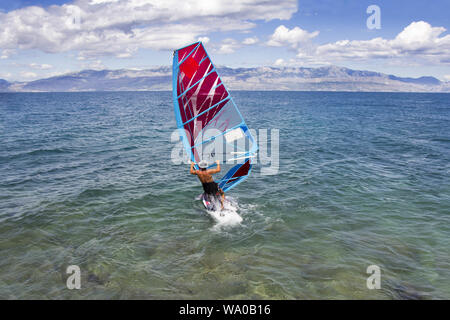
45,38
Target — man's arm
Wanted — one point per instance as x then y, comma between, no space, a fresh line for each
192,168
212,171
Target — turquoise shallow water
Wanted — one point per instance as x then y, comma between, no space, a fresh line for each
86,179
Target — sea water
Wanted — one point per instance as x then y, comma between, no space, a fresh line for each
363,179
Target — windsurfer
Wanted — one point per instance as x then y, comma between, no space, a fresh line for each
210,187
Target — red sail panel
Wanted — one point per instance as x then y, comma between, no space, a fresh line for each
238,175
186,81
194,67
205,94
243,170
189,67
182,53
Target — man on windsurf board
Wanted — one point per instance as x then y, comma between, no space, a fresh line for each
210,187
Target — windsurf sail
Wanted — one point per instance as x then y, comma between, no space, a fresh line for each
210,124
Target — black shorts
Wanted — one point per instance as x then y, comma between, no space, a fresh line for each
210,188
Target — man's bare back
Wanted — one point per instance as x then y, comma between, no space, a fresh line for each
205,176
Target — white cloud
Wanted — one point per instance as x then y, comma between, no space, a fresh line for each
28,75
124,55
228,46
121,27
447,77
282,36
6,53
56,73
419,36
6,75
94,65
102,1
203,39
39,66
250,41
279,62
419,40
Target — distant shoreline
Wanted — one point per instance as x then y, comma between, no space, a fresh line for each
323,79
231,90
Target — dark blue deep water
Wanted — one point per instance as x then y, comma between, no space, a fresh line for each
364,179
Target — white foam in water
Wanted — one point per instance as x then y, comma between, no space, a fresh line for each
228,216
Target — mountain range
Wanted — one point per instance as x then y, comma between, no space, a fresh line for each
330,78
